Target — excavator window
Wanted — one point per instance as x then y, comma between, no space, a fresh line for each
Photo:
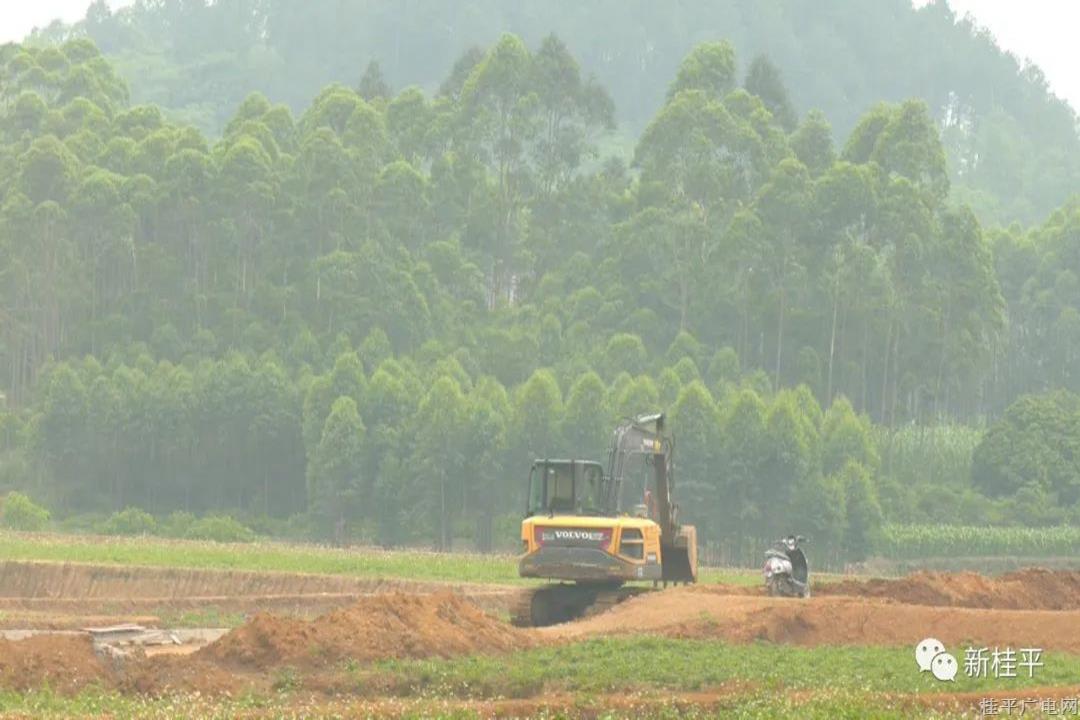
551,488
590,488
536,491
566,486
560,488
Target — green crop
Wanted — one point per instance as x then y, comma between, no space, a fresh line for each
907,542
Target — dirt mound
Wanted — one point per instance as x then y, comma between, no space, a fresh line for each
66,663
1057,589
168,674
1030,589
696,612
393,625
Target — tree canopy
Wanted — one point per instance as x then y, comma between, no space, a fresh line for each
371,316
1013,148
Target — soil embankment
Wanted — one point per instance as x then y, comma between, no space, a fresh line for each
1029,608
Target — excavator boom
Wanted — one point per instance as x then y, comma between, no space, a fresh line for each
645,435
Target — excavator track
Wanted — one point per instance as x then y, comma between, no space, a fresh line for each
606,600
563,602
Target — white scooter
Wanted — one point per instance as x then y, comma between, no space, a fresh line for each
786,571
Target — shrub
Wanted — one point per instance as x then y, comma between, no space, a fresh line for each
129,521
177,524
1035,443
81,522
267,525
220,528
22,513
300,526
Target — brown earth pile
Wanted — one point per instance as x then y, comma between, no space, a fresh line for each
66,663
185,674
698,612
1030,589
1029,608
391,625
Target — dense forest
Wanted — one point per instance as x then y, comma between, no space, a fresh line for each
1012,147
374,314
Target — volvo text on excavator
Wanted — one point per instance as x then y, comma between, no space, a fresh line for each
577,533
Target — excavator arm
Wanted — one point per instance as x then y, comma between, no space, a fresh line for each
645,436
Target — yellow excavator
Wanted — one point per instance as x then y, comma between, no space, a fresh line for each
577,533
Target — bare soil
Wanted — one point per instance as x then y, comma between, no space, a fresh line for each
58,596
164,674
1026,608
1028,589
66,663
377,627
698,612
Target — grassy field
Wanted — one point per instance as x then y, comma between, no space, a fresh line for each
658,675
209,617
751,706
595,678
632,663
285,557
754,706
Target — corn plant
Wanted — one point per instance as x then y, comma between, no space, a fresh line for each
909,542
928,454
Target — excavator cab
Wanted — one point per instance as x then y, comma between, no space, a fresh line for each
566,487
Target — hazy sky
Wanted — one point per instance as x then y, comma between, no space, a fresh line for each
1043,30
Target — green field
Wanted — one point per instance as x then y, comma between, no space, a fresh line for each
362,562
915,542
632,663
594,678
760,706
749,681
752,706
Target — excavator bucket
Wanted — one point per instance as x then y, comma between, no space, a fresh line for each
678,543
679,559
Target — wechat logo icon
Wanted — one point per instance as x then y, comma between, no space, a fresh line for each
930,655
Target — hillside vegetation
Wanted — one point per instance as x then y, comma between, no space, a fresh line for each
1013,149
370,317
